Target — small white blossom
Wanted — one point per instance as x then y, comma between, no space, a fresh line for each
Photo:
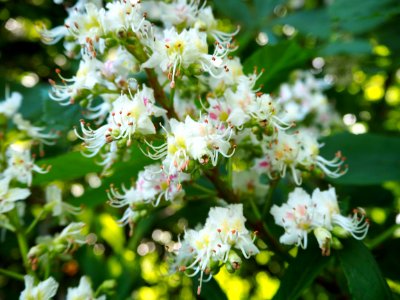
318,213
21,164
130,115
173,51
11,104
87,76
45,290
152,185
58,207
34,132
296,152
223,232
201,141
83,291
8,195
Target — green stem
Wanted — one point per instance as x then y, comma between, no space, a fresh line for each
12,274
383,237
268,198
224,191
34,222
203,189
22,242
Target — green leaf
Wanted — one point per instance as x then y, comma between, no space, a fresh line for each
301,272
314,22
123,174
277,61
363,276
210,290
354,47
372,158
236,10
69,166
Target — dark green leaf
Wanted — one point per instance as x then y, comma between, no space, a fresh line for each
354,47
363,276
278,61
301,272
372,158
314,22
210,290
66,167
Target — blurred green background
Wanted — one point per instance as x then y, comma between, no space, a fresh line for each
354,43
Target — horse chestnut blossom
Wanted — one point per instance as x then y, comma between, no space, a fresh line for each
11,104
45,290
201,141
304,98
8,195
173,51
296,152
130,115
319,213
162,78
83,291
205,250
21,163
153,185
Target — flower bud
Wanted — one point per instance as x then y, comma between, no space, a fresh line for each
340,232
336,244
234,260
324,238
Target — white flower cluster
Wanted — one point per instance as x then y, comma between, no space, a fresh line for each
205,250
152,185
319,213
18,163
68,240
129,116
47,289
201,109
303,100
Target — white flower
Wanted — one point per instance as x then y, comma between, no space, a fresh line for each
11,104
173,51
152,185
82,25
130,115
21,164
83,291
118,65
58,207
319,213
227,79
201,141
34,132
178,12
305,99
123,15
328,214
296,217
87,76
8,195
248,182
45,290
214,243
296,152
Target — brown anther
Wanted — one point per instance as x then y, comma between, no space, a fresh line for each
182,269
